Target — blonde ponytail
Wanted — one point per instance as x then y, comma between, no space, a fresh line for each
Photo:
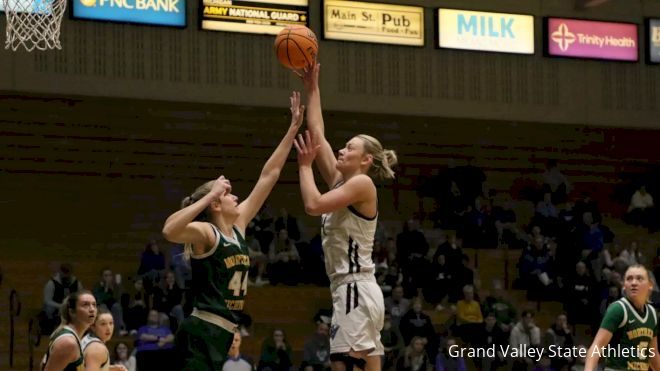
383,159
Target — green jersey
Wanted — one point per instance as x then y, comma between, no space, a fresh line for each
220,276
632,334
76,365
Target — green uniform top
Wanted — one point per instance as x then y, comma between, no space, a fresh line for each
220,276
632,334
76,365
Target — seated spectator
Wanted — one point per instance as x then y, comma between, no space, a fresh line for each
555,182
168,299
559,335
642,209
235,360
468,315
136,306
535,271
506,225
276,353
288,222
152,265
392,341
580,290
107,293
546,215
525,334
446,361
463,275
631,255
414,358
438,282
154,344
284,261
490,335
61,285
397,305
180,266
258,261
417,323
411,249
497,304
123,357
316,351
391,280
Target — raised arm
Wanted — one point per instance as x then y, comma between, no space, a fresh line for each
180,227
326,160
359,188
270,173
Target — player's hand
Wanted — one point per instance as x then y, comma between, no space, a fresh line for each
297,111
221,186
307,149
310,76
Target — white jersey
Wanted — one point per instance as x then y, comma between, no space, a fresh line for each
89,339
348,240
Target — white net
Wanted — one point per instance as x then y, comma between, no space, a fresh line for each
33,24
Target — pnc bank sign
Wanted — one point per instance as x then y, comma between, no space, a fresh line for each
496,32
153,12
591,39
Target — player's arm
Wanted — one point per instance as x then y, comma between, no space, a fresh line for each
64,351
654,356
603,337
270,173
326,160
95,356
359,188
180,227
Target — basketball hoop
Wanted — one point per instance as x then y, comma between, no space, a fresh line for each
34,24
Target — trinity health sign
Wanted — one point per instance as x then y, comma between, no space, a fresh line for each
592,39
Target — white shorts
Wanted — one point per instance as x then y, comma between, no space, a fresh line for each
357,318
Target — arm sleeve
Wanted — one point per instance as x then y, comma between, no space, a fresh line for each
614,316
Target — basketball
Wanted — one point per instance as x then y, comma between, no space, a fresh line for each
296,47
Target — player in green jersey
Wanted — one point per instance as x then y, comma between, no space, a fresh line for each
212,225
78,312
628,332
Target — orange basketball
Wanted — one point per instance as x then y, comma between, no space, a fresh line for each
296,47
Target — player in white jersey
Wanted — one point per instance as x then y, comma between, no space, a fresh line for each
350,210
95,353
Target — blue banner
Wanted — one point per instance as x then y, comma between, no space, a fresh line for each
153,12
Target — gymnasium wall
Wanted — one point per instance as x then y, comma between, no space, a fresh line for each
129,61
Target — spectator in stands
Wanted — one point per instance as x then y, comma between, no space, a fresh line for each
613,294
411,249
506,225
498,305
631,255
123,357
107,293
258,261
152,265
154,344
535,271
642,209
397,305
579,293
490,335
284,260
546,215
392,341
464,275
235,360
262,228
168,300
438,282
525,334
417,323
180,266
414,358
469,318
136,306
560,335
61,285
276,353
316,351
555,182
451,247
446,361
288,222
593,243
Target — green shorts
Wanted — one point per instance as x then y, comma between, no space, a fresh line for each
202,346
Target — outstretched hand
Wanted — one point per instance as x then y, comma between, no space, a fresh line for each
310,76
221,186
297,111
307,148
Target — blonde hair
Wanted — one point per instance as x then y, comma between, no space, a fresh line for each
200,192
383,159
